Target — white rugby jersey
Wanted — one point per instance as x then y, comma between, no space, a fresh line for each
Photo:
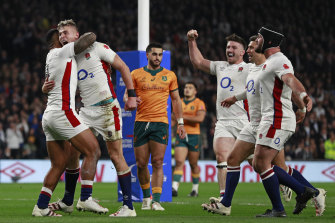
94,74
275,94
253,96
231,80
61,67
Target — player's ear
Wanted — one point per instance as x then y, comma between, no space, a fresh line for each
77,35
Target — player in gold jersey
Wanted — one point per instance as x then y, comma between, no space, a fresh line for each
194,112
153,85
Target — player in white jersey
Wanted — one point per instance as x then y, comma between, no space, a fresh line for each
101,111
231,76
245,144
60,123
278,121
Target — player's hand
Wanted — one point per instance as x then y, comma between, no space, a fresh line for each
138,100
130,104
48,86
299,116
308,102
192,34
228,101
181,131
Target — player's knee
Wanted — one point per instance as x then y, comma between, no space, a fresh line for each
141,164
221,158
233,160
194,166
179,163
157,162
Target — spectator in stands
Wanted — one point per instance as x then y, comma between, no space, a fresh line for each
14,140
330,146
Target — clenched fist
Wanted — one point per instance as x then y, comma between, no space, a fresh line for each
192,34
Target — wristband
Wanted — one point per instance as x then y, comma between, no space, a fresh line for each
131,93
303,110
302,95
180,121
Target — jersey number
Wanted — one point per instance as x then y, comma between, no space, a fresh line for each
250,86
83,74
225,83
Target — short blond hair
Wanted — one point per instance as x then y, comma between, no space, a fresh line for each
67,22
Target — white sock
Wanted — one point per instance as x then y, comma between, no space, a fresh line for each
175,185
195,187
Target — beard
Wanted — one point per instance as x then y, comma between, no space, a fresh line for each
154,65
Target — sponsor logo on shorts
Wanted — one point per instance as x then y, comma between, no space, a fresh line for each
260,136
277,141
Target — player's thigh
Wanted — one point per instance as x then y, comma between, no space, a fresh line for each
180,154
241,151
86,143
142,155
157,151
193,157
57,153
73,155
114,147
222,148
263,157
279,160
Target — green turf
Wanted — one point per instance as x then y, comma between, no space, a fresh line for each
17,201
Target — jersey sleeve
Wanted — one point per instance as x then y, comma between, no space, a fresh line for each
283,66
133,78
174,82
201,106
104,52
67,51
215,65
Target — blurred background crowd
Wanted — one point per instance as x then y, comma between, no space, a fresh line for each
310,45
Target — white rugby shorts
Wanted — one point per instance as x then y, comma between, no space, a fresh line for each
61,125
271,137
249,134
229,128
105,120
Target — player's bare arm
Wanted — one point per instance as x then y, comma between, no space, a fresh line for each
198,118
178,111
130,97
303,101
48,86
86,40
233,99
196,57
300,113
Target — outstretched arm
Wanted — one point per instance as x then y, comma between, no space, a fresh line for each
86,40
130,102
196,57
178,111
299,96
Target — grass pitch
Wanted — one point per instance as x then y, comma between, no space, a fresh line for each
17,202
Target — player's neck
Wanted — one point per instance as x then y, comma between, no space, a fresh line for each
271,51
237,62
189,98
260,60
153,68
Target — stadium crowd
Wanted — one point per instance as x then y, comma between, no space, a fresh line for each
310,45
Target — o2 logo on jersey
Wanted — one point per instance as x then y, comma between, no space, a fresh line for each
226,83
251,87
83,74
